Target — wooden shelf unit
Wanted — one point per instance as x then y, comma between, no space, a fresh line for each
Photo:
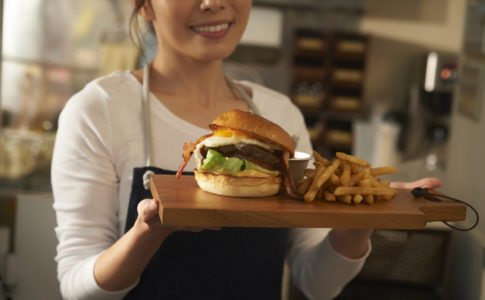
327,85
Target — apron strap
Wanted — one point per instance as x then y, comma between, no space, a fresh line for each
147,128
245,96
147,125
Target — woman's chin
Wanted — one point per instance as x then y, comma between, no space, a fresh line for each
214,55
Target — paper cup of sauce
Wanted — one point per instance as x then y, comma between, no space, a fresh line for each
298,164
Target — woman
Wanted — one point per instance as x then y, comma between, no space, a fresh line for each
102,253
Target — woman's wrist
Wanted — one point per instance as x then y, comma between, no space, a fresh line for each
150,232
120,266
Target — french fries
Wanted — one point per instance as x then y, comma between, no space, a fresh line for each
319,158
347,179
352,159
382,171
363,190
320,180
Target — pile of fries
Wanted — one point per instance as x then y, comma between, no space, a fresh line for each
347,179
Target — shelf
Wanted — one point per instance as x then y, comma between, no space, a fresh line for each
340,68
307,73
338,147
311,46
338,137
356,86
48,64
326,113
357,57
342,105
311,111
355,6
341,115
348,46
308,102
345,103
347,75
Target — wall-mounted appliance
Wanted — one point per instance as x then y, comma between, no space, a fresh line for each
428,111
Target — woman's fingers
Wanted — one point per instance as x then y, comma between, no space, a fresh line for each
195,229
148,211
428,182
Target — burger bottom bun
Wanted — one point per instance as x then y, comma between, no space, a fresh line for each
238,186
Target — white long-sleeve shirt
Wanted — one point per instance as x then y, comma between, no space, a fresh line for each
99,142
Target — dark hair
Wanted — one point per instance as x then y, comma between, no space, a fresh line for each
134,25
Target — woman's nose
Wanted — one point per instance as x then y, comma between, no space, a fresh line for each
212,5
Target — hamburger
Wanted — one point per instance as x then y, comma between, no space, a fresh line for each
245,156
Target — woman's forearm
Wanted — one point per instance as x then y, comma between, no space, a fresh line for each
120,266
351,243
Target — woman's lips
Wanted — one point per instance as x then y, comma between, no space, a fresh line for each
212,31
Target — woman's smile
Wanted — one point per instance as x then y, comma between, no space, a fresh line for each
212,30
207,30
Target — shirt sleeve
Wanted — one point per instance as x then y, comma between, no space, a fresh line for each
85,188
316,268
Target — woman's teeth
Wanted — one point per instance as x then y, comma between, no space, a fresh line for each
215,28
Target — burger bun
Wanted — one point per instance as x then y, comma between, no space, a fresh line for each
226,185
256,126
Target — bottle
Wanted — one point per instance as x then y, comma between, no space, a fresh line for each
436,157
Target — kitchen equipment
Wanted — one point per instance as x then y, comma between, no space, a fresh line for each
386,143
182,202
429,103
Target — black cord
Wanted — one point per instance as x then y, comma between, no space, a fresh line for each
424,193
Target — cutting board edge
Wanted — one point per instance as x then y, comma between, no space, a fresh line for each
211,218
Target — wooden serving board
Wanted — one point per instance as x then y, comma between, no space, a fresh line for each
182,202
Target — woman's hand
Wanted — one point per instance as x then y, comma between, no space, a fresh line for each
428,182
149,219
148,212
121,265
353,243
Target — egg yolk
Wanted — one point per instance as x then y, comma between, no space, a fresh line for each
229,133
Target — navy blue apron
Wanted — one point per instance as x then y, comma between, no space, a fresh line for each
232,263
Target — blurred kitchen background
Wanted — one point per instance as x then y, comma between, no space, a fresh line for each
394,82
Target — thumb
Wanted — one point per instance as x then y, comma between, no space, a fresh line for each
428,182
148,211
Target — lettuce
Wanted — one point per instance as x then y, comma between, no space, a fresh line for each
216,162
213,160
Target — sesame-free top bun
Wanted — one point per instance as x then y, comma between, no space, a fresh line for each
255,125
238,186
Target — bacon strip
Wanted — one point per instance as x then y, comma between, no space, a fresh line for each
288,180
189,148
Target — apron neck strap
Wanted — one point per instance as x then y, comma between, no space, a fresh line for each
244,95
147,126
